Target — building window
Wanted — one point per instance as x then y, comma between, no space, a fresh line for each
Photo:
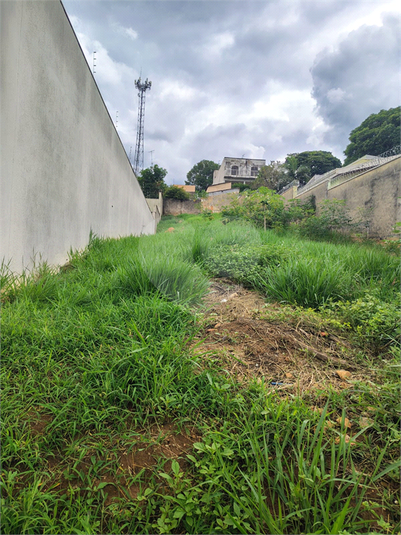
234,170
254,171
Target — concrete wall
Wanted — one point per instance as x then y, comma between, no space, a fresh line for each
156,207
290,193
64,170
215,202
376,192
175,207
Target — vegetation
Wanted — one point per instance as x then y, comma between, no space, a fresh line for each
201,174
378,133
304,165
174,192
273,176
152,182
115,420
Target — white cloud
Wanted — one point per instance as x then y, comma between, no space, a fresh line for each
127,32
218,43
175,89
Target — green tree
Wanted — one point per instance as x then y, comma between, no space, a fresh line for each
201,174
376,134
262,207
291,164
174,192
151,181
272,176
304,165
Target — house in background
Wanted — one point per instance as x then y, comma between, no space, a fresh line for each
217,189
188,189
243,170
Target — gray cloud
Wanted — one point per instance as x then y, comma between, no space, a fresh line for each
232,77
360,77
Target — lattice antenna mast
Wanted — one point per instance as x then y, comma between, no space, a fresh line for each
139,149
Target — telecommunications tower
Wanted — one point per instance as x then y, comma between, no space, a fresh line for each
138,158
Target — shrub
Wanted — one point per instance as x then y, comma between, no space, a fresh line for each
174,192
262,207
267,210
242,262
333,217
376,323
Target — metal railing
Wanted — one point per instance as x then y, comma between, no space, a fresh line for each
338,175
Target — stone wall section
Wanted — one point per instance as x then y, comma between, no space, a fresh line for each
217,202
375,194
176,207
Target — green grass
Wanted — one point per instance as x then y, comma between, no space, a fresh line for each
98,353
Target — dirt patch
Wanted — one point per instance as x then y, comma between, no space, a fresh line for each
38,422
159,446
126,470
281,355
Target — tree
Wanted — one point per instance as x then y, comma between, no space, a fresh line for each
272,176
201,174
291,164
151,181
174,192
262,207
304,165
378,133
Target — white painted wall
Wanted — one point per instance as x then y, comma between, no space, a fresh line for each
64,170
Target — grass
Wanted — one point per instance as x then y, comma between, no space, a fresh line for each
98,354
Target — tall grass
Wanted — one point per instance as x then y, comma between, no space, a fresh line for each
95,353
306,282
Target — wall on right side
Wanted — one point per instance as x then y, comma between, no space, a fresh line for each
375,194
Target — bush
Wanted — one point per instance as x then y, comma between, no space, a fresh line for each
376,323
333,217
174,192
266,209
262,207
242,262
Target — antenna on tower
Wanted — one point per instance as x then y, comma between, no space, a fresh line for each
94,62
117,120
139,154
151,157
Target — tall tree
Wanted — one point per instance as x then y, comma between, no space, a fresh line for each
151,181
304,165
378,133
272,176
201,174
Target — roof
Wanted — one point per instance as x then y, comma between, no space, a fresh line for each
219,187
236,158
188,189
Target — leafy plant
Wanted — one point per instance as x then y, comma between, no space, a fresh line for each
333,217
174,192
375,323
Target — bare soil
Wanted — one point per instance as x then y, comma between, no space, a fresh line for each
284,355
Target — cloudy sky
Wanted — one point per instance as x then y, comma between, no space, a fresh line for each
253,78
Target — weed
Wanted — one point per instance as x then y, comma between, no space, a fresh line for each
97,353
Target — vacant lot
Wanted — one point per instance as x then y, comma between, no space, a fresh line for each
210,379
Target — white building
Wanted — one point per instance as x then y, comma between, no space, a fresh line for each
243,170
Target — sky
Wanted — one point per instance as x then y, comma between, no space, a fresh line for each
252,79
